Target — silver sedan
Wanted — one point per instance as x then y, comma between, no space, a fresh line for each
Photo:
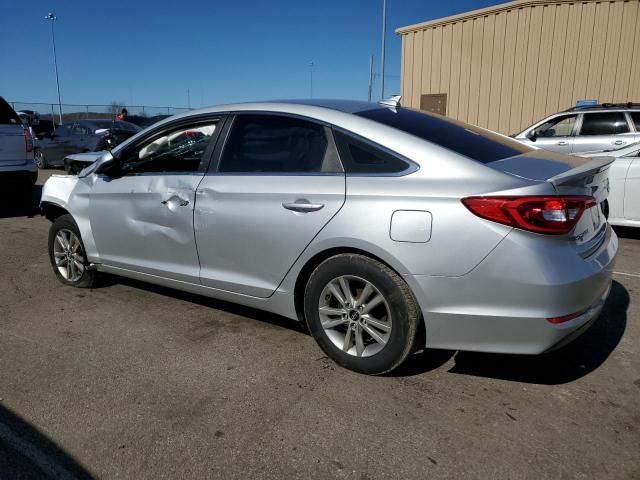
385,229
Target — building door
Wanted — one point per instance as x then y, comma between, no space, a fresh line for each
434,103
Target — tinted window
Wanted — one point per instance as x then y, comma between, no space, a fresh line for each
7,115
273,143
478,144
63,131
178,151
360,157
635,118
607,123
79,129
561,126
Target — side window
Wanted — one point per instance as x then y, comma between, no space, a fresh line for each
561,126
275,143
180,150
635,118
63,131
78,129
361,157
606,123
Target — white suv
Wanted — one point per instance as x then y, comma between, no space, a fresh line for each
17,168
585,129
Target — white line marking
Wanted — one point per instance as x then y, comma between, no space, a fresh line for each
42,461
627,274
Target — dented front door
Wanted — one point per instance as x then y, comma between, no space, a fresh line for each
144,223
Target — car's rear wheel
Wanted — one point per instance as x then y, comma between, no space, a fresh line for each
67,253
40,159
362,313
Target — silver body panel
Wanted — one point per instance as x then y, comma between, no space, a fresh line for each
480,285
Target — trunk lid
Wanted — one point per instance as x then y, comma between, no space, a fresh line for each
569,176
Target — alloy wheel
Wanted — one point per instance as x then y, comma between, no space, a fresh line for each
68,255
355,316
39,159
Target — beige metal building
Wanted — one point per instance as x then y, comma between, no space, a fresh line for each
506,66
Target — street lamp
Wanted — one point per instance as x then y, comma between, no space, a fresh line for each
384,30
50,16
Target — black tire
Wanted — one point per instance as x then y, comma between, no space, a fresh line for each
66,222
401,302
40,159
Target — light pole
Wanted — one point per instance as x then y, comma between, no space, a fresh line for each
311,80
50,16
384,31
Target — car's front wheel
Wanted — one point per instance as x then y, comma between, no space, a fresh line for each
362,313
40,159
67,253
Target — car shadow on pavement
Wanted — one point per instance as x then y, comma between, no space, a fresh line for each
628,232
229,307
569,363
18,204
27,453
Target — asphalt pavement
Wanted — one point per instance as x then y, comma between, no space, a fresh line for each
134,381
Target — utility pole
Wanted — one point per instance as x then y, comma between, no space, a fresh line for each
51,17
370,77
311,80
384,31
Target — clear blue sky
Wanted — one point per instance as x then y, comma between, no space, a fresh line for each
151,52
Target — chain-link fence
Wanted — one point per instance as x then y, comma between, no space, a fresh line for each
51,111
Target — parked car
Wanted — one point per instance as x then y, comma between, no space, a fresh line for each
386,229
624,178
81,136
583,129
39,127
17,168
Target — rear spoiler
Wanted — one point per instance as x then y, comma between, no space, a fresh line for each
594,166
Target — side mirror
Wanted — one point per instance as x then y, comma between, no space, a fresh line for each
107,163
532,135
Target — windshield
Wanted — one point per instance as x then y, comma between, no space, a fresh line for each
481,145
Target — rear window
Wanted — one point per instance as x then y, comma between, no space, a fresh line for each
607,123
635,117
478,144
7,115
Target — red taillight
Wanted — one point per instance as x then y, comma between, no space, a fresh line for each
28,140
553,215
566,318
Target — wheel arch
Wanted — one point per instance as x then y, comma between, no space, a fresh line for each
52,210
313,262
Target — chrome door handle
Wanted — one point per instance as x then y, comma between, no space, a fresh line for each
563,142
619,142
303,206
181,202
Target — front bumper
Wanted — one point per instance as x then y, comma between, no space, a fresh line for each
503,304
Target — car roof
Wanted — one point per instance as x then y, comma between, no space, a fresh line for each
343,115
